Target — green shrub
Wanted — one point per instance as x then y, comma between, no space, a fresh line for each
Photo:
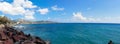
4,20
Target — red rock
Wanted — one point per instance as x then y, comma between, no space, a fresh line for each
10,36
9,41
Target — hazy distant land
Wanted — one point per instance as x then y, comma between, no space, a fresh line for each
21,21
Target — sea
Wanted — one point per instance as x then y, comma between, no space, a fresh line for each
74,33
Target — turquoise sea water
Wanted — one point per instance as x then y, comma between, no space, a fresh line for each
75,33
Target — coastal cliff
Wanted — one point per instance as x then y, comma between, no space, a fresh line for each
9,35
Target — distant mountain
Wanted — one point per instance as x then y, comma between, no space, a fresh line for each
22,21
43,22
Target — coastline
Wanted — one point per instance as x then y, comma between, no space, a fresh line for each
8,35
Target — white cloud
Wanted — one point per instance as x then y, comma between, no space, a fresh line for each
7,8
56,8
29,14
110,19
43,11
78,17
18,7
24,3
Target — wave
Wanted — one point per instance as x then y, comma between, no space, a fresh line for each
19,27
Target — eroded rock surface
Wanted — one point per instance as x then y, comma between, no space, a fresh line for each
9,35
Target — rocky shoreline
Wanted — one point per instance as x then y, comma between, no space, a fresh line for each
8,35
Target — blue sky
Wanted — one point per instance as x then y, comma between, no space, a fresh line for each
91,11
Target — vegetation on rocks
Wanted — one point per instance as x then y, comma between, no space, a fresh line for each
4,20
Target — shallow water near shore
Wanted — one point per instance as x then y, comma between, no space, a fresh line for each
74,33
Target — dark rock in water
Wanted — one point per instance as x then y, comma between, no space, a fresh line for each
110,42
9,35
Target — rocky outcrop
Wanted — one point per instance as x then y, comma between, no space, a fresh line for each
9,35
110,42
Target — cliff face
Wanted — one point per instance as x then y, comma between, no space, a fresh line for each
9,35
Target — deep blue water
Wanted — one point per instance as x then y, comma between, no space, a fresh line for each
75,33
